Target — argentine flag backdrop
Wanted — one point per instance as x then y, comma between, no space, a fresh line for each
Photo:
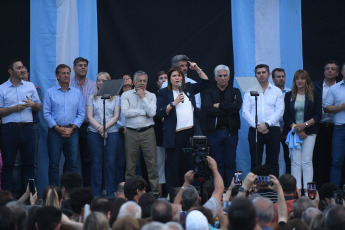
60,31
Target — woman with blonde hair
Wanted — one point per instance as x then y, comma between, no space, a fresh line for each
303,111
94,111
52,196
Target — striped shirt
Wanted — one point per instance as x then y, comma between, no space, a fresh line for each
88,88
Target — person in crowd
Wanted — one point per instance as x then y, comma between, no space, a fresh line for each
116,205
278,78
48,218
196,220
299,206
102,205
18,99
288,183
20,212
309,214
335,218
303,111
242,214
95,137
265,191
69,181
326,195
126,223
181,61
145,202
128,84
161,77
96,220
52,196
223,103
130,208
180,121
87,87
135,187
264,211
63,117
335,104
322,159
79,197
295,224
139,107
120,191
189,197
161,211
270,109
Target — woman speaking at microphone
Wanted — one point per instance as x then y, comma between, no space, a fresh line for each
176,104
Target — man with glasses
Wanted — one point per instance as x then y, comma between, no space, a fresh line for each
223,103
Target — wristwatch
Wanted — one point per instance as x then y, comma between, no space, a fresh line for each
74,128
241,189
267,125
172,105
307,124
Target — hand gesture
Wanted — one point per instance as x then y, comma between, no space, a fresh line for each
179,98
189,177
141,93
28,102
212,164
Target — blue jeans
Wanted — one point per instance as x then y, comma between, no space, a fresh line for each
57,144
338,153
16,138
95,142
224,148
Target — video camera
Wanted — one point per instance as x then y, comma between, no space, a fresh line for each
200,151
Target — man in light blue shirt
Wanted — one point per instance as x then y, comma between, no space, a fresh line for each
335,104
64,112
17,101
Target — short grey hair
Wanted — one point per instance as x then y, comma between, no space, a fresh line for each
154,225
130,208
309,214
190,197
138,73
221,67
173,225
264,209
177,58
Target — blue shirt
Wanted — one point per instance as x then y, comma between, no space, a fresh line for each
63,108
336,96
11,95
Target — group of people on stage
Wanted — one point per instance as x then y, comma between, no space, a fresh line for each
159,125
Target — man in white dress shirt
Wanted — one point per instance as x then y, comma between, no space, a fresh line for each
139,107
270,110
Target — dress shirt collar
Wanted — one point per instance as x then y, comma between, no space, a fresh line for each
10,84
58,86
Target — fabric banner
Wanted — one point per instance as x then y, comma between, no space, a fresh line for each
264,32
60,31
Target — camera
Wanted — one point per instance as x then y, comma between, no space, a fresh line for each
200,151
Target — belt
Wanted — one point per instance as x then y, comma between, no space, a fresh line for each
141,129
222,128
326,125
20,124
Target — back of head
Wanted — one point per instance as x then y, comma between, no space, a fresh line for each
48,218
326,190
195,220
207,191
20,212
300,205
132,185
161,211
116,205
31,225
5,197
70,180
101,205
96,220
79,197
173,226
335,218
126,223
52,196
130,208
288,183
309,214
145,202
264,209
295,224
7,219
206,212
154,226
241,214
262,170
190,197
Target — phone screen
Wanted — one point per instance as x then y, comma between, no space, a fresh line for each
32,186
238,178
263,180
311,190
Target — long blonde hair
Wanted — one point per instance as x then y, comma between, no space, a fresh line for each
309,87
107,76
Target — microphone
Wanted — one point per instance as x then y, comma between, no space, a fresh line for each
180,89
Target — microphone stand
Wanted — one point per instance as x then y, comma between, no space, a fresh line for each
104,191
256,94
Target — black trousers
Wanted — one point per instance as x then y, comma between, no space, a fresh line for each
85,155
272,142
322,155
178,162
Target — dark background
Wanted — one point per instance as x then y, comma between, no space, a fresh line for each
145,35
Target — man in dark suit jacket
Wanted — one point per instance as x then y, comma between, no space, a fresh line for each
222,104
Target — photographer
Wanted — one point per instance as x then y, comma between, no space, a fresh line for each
189,197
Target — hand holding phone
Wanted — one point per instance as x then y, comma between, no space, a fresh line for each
311,186
32,186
